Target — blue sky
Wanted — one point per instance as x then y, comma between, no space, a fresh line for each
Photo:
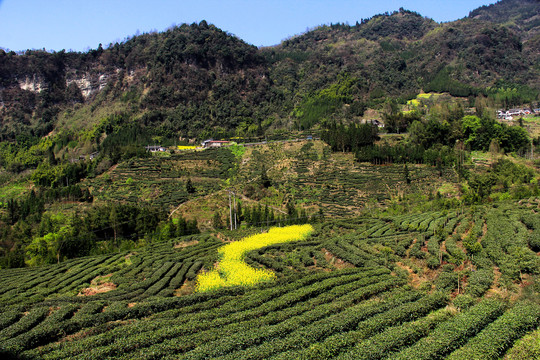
80,25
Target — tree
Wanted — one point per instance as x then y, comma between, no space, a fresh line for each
181,227
494,150
217,223
514,138
13,211
171,228
291,213
239,213
266,215
37,252
406,174
192,227
256,215
47,249
265,180
272,217
479,187
113,220
247,216
189,187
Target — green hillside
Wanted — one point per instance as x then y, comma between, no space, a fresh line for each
520,15
384,145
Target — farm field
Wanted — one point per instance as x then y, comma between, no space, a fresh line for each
442,284
334,182
305,172
161,180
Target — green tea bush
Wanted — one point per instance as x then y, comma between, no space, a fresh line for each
497,337
452,334
528,347
479,282
392,339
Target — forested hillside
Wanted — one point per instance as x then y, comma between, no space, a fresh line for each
196,80
521,16
191,77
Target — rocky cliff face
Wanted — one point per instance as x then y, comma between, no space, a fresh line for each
89,84
33,83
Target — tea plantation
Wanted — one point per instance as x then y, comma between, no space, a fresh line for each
458,284
161,181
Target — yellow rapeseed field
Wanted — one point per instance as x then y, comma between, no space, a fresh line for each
232,270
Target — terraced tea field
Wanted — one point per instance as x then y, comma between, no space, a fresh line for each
340,192
161,180
335,182
314,179
445,284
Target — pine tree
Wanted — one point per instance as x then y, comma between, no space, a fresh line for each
172,229
256,216
13,211
181,227
113,219
216,221
266,214
247,216
193,227
407,174
189,187
291,213
271,218
239,215
265,180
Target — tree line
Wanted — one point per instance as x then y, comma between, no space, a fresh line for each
32,237
349,138
261,216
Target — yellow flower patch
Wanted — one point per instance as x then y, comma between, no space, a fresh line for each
232,270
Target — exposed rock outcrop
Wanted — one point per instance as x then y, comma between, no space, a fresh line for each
33,83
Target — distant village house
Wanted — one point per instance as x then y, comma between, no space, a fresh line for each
375,122
155,148
509,114
214,143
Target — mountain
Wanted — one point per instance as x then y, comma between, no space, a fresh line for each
197,81
404,51
522,16
197,72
